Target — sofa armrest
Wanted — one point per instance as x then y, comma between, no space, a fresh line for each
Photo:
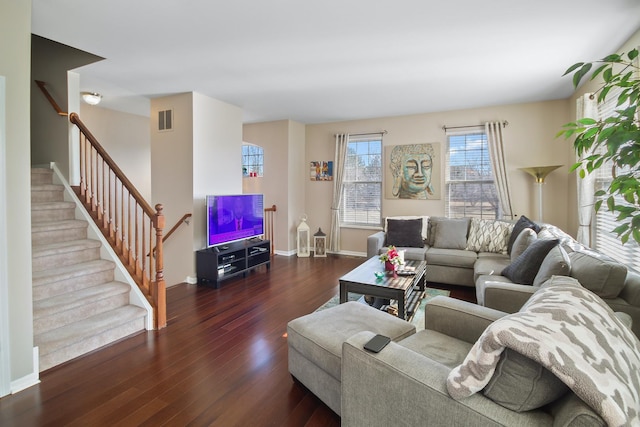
374,243
459,319
398,386
507,297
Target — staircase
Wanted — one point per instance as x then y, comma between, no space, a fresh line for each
77,305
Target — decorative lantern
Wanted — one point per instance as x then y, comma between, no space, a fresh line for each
303,238
320,244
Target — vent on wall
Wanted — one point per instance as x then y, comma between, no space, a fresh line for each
165,120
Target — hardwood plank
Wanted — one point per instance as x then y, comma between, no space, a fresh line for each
221,360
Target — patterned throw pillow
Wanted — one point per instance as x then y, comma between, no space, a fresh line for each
488,236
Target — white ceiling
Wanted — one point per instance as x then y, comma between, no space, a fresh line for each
332,60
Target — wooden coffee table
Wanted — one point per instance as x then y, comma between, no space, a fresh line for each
407,290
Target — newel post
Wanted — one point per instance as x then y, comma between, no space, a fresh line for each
159,294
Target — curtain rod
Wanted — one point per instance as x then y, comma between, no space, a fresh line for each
384,132
445,127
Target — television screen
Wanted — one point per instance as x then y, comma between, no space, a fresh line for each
234,217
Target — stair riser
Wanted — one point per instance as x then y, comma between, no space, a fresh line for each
64,259
47,196
50,358
76,314
41,177
48,290
46,215
53,236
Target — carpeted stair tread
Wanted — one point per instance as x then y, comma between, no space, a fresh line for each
41,206
47,187
77,298
68,335
64,247
68,272
65,224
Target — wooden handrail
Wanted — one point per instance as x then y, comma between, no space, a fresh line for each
54,104
178,224
128,222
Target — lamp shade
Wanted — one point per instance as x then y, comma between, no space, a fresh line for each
91,98
540,172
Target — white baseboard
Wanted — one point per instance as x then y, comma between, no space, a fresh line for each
191,280
28,380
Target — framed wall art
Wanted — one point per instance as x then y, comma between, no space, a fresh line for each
412,171
321,171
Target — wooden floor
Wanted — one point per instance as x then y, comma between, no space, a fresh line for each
222,360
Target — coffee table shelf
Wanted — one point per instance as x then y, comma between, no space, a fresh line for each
406,290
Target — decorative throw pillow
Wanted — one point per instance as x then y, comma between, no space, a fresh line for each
488,236
425,223
405,233
433,222
522,384
523,241
522,223
556,263
524,269
451,234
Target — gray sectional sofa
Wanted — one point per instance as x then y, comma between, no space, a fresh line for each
426,377
507,262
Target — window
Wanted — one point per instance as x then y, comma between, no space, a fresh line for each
604,240
470,188
252,160
362,189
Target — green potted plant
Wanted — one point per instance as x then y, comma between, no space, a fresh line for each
613,141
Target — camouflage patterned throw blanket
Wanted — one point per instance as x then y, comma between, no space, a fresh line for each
573,333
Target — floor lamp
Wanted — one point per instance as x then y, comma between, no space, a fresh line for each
540,173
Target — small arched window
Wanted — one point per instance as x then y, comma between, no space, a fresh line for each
252,160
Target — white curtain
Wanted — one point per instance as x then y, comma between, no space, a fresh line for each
498,164
585,107
338,177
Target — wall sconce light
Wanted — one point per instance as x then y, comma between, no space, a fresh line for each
540,173
91,98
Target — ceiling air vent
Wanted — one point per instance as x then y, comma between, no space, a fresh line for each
165,120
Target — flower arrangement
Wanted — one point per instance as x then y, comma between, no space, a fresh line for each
391,256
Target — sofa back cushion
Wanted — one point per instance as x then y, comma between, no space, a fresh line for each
522,223
450,233
597,272
523,269
526,237
405,233
556,263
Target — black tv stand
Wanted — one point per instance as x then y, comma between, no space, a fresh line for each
222,262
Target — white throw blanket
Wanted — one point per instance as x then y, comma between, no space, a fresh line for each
573,333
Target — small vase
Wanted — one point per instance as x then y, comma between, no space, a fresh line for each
389,266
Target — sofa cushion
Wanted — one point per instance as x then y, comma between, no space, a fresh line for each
488,235
556,263
437,346
490,265
450,233
451,257
405,233
521,384
597,272
522,223
425,223
523,269
522,242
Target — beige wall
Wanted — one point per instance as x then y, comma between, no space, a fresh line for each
172,178
127,140
15,60
283,183
200,156
529,141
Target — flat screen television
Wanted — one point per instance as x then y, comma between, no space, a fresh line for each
234,217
